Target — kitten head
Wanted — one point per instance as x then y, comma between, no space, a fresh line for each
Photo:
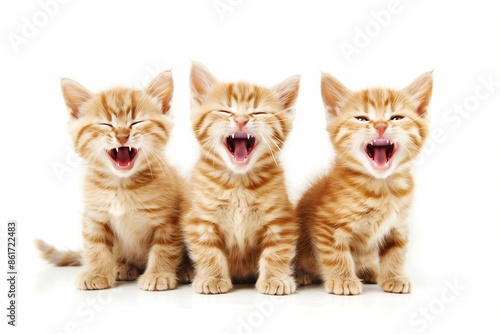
239,124
377,131
120,131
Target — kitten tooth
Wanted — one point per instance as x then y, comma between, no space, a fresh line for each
116,149
232,136
130,149
248,136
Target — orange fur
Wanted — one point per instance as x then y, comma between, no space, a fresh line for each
240,226
352,220
133,197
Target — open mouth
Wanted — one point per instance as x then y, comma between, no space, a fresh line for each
123,157
380,151
240,145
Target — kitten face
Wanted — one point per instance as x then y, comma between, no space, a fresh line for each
377,130
121,130
240,123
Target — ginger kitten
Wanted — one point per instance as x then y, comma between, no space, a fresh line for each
133,197
240,226
352,220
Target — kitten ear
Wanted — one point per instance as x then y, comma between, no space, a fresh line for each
420,91
162,87
334,93
75,95
287,91
202,82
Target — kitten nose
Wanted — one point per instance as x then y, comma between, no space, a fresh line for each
381,127
122,136
241,123
122,139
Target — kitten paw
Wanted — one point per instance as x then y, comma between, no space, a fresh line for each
157,281
211,285
396,285
276,285
124,272
347,286
94,281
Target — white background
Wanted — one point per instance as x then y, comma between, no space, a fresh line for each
455,217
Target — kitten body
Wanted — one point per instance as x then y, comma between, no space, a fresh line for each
240,226
353,220
133,197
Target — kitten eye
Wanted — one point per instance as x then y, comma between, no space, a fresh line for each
225,112
135,123
105,124
362,118
259,113
397,118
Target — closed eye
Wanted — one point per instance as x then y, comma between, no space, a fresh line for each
225,112
397,118
105,124
259,113
362,118
135,123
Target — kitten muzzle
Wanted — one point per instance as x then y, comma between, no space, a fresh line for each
123,157
380,151
240,145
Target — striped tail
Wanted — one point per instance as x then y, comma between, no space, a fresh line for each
58,257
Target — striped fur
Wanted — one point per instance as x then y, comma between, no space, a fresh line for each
131,221
352,221
240,226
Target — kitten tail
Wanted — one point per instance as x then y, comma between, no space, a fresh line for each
58,257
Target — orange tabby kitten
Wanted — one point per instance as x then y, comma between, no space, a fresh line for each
352,221
133,197
240,224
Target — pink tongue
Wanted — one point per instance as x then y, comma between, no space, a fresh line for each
123,156
240,149
379,155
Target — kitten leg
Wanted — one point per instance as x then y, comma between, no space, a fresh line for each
336,261
392,260
99,262
367,264
207,251
125,272
163,260
278,250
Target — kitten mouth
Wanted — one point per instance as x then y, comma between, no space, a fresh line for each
240,145
123,157
380,151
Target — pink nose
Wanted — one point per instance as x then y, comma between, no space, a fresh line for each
381,129
242,123
122,139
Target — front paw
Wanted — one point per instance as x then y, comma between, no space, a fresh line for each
211,285
89,280
276,285
124,272
343,286
396,285
157,281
